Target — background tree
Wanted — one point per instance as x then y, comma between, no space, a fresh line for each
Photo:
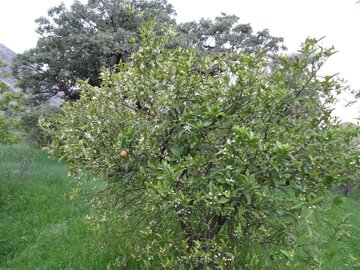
225,34
77,43
218,170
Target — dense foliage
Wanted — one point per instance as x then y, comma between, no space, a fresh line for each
76,43
29,124
211,170
9,102
5,131
225,34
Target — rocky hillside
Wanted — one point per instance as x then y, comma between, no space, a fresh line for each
6,56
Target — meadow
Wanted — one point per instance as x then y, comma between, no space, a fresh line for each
44,220
42,225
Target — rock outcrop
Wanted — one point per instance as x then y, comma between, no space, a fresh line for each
6,56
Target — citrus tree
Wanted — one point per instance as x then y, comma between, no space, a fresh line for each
213,170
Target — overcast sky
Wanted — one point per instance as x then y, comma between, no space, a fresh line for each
338,20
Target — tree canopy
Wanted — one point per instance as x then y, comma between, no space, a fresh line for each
76,43
226,34
210,171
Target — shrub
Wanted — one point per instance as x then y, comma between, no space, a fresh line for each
9,105
29,123
224,153
6,131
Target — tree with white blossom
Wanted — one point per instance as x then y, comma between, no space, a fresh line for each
219,169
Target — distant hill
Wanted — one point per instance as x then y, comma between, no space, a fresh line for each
6,56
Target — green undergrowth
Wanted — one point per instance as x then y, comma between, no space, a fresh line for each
47,222
332,236
344,252
42,226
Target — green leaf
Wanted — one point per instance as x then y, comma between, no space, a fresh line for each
316,200
286,253
297,206
283,147
223,200
248,197
177,151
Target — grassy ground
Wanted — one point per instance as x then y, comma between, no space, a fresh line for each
43,227
335,234
349,258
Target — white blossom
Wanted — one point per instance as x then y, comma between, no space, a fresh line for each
163,110
228,167
187,128
87,135
229,141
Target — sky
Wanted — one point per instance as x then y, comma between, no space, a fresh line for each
294,20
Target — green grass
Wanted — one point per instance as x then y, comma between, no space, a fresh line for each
42,226
343,252
333,235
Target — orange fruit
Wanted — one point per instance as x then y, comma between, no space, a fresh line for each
123,153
